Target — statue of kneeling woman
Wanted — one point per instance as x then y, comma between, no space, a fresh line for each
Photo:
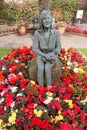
47,47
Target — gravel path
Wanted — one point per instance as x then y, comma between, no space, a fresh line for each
67,40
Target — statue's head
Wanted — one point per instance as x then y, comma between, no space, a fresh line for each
46,19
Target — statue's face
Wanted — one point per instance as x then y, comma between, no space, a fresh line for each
47,21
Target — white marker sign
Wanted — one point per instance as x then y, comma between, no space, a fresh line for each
79,14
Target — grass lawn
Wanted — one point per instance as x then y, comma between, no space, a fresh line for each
4,51
83,51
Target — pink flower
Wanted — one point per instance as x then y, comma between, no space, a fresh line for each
12,78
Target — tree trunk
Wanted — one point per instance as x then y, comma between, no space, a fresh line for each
43,4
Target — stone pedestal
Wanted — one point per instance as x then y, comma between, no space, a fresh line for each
56,71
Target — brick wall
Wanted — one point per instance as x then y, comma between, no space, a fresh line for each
83,5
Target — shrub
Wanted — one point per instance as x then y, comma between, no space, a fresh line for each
67,6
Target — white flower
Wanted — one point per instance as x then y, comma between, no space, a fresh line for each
2,93
16,61
19,94
75,70
1,100
3,68
5,108
20,73
13,104
69,63
85,100
14,89
48,100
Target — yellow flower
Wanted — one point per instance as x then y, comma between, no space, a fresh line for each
81,71
58,118
65,49
49,94
12,118
1,122
38,113
59,112
65,58
52,120
69,103
57,98
32,82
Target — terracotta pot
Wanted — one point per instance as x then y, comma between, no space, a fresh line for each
61,30
22,30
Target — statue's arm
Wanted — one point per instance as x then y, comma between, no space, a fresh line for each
58,43
36,47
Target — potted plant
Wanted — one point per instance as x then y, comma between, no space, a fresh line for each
61,26
22,26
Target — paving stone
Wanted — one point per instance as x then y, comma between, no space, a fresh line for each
15,40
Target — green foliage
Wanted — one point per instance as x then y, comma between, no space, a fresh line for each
3,12
67,6
14,11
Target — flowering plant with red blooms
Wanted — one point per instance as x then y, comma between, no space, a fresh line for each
25,105
76,30
84,31
73,29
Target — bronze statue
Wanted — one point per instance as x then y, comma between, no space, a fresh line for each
47,46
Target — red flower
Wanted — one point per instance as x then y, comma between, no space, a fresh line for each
19,120
70,89
9,100
1,87
66,126
84,31
79,128
57,105
12,78
11,54
35,121
1,76
43,124
26,127
51,127
83,116
1,111
18,98
76,108
14,67
24,83
67,82
67,96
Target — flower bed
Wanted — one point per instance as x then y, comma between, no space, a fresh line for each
76,30
28,106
